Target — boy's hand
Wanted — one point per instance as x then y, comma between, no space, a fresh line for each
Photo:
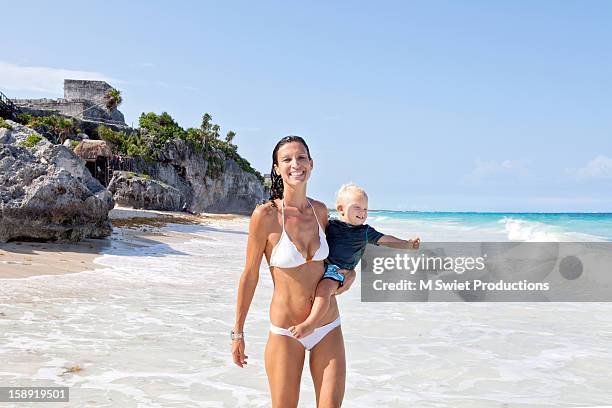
349,278
415,243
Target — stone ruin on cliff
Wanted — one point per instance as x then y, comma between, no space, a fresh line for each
83,100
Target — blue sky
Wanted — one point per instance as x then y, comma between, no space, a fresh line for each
430,105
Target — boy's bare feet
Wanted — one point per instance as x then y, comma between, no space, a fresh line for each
302,329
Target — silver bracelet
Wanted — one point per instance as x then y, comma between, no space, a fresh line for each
237,336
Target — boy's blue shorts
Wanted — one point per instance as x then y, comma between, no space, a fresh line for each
331,272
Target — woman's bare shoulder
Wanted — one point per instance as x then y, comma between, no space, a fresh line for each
319,207
264,215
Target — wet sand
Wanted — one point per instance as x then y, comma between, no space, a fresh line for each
131,229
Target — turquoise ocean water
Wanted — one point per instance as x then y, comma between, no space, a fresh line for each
475,226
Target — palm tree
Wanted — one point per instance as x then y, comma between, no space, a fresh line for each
230,136
63,129
216,129
205,126
112,99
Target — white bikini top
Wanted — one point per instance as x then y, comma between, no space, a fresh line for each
286,255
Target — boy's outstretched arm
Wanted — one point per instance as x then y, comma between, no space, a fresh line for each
394,242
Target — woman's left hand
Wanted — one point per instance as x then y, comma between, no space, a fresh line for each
349,278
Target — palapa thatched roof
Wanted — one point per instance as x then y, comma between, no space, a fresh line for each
90,149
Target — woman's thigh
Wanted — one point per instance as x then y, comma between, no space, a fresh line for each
328,369
284,357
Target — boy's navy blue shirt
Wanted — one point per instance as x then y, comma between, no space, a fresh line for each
347,242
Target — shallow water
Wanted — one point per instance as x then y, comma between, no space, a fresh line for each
150,328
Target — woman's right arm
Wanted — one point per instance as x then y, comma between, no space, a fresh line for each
256,244
349,278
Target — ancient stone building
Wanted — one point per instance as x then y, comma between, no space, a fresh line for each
83,99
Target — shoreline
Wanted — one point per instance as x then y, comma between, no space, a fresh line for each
148,323
131,228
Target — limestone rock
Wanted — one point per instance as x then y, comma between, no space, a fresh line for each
140,191
231,190
46,192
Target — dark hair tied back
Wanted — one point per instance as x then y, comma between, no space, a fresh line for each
276,191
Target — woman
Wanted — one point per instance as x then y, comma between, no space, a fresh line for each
289,231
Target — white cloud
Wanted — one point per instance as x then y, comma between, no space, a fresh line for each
42,79
599,168
491,168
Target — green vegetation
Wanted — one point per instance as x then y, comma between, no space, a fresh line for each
149,140
52,122
160,129
112,99
74,143
24,118
31,141
4,125
215,166
157,130
209,136
231,151
58,126
131,174
124,143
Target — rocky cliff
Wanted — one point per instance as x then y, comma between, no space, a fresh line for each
46,192
181,178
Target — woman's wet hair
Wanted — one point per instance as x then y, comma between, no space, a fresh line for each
276,191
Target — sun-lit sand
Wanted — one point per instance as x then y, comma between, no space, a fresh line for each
148,325
131,228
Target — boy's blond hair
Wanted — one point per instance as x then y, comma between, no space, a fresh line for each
346,190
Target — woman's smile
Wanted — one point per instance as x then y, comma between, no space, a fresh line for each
297,174
294,162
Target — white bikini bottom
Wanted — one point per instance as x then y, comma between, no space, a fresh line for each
313,338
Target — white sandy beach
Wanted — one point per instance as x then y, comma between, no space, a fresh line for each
132,228
149,327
